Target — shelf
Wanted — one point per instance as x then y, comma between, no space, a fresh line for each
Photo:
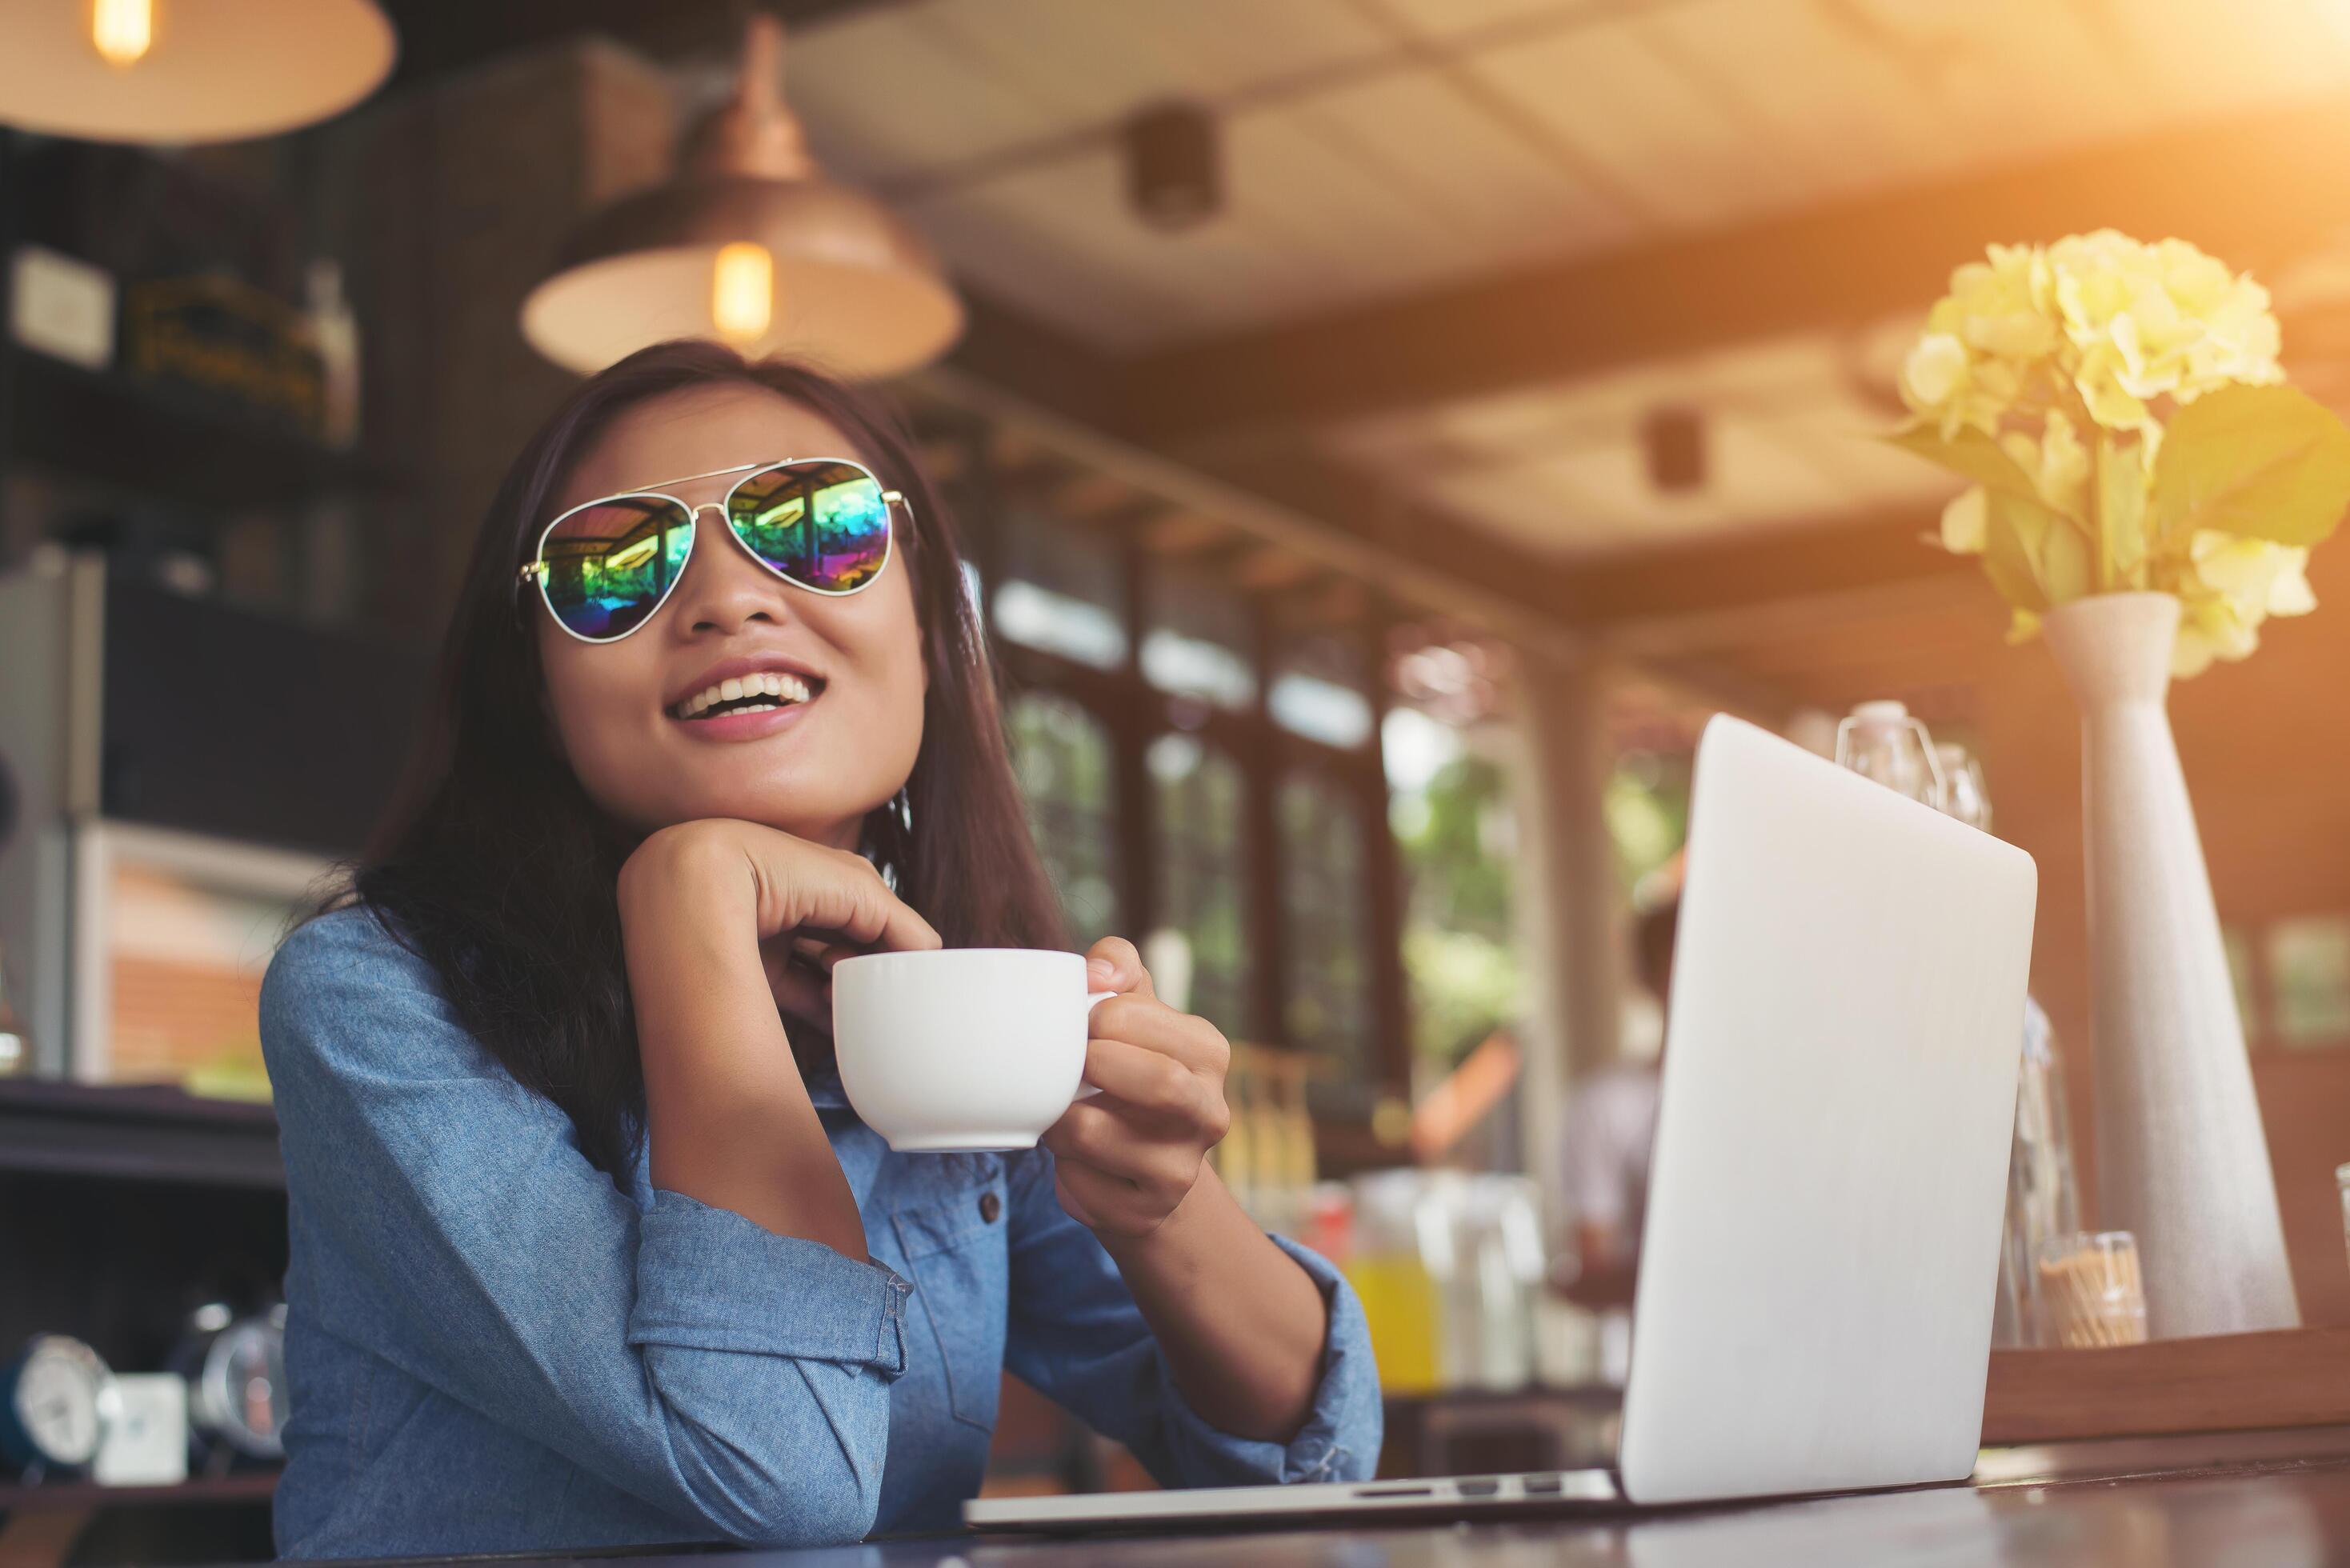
2220,1383
106,427
77,1496
139,1133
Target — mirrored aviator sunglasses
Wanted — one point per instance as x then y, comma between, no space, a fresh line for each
822,524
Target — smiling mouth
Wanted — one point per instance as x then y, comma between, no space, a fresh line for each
760,693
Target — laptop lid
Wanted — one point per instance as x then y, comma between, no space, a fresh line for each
1821,1248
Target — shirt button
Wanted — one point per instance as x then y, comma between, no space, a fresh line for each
990,1206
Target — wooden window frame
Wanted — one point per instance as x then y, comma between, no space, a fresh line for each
1135,713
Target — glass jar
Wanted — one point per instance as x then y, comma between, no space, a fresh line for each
1402,1264
1881,740
2043,1196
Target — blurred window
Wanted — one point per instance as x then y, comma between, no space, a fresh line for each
1199,641
1199,825
1449,811
1327,929
1062,756
1062,589
2309,974
1321,688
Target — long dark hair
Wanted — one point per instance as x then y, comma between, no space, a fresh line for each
498,869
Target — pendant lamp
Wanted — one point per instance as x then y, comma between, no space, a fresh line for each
186,70
751,244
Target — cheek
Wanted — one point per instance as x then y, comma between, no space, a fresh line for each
595,720
901,677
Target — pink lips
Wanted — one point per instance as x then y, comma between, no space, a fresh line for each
744,726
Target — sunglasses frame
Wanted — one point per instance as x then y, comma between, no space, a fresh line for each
535,570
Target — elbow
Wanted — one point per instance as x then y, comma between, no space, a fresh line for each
776,1478
799,1500
801,1514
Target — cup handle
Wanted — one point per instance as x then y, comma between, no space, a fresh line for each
1093,999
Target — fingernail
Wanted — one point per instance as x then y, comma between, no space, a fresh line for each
1101,970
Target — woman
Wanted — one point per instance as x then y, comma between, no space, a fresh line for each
588,1247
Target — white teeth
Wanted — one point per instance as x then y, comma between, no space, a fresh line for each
776,683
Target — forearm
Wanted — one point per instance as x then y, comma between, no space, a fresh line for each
1241,1323
728,1118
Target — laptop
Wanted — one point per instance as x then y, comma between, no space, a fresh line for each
1821,1248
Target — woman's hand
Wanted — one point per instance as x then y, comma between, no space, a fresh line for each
800,901
1243,1325
778,885
1126,1161
705,907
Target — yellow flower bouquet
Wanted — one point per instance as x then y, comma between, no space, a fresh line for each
2121,412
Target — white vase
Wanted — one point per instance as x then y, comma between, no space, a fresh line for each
2181,1158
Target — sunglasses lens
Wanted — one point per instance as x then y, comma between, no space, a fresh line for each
822,525
610,564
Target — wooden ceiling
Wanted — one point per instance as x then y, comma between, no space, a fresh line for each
1469,244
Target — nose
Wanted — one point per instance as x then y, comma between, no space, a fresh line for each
723,589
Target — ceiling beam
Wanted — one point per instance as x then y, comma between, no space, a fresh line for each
1715,578
1634,599
1043,366
2251,190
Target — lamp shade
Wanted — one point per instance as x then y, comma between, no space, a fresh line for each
856,291
190,70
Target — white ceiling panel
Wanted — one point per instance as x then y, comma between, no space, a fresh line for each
920,90
1534,504
1790,437
1381,148
1844,115
1690,155
1228,270
883,97
2209,56
1866,470
1037,239
2004,102
1500,198
1599,498
1323,198
1095,62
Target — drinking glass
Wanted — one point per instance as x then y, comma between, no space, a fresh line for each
2092,1294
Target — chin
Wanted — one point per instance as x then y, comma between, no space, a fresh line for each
801,815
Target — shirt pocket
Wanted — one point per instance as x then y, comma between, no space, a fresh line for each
954,1248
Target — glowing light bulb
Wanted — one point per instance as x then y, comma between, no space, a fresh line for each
123,30
743,291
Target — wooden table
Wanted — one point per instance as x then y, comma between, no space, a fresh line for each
2259,1498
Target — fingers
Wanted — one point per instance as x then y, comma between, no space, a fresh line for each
860,906
807,888
1192,1041
1157,1085
1107,1201
802,994
1079,1209
1097,1138
1113,964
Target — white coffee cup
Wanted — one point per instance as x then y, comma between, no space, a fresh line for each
959,1050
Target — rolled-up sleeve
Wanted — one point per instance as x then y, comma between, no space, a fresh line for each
735,1379
1078,1338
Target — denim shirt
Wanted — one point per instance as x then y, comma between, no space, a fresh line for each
492,1348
